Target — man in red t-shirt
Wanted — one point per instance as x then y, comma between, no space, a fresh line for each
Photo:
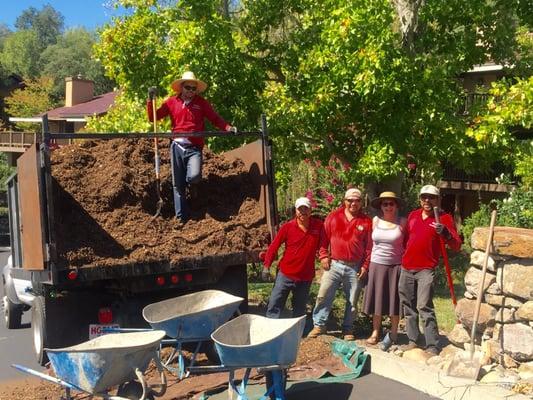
419,263
344,257
296,269
187,111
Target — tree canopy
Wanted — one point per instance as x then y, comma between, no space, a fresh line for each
370,82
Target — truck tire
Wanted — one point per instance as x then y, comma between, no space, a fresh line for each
12,314
235,282
38,328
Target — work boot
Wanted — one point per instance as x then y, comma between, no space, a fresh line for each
348,336
317,331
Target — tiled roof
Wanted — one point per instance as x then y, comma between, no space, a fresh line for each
98,105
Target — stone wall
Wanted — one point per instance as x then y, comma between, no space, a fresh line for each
505,326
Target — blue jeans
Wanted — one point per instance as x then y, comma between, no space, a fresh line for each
339,274
186,168
282,287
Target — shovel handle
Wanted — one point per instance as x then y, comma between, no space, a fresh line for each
482,280
156,143
445,260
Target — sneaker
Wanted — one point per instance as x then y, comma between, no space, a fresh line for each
317,331
386,343
434,351
348,336
410,346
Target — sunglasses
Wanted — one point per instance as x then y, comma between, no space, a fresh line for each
428,197
388,203
191,88
352,200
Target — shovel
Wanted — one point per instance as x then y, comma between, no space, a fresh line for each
446,261
157,163
467,364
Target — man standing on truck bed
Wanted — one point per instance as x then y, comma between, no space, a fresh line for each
187,111
344,257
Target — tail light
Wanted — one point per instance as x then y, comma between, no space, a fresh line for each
174,279
160,280
105,315
188,277
72,275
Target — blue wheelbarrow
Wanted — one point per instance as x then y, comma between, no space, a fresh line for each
252,341
190,318
105,362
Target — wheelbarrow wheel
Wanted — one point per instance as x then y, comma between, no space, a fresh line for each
39,331
132,390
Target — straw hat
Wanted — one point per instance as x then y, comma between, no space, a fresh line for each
188,76
376,203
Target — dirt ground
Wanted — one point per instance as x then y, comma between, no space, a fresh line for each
314,358
105,199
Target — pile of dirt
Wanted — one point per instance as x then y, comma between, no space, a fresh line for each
105,198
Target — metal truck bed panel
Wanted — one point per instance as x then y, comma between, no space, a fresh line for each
34,188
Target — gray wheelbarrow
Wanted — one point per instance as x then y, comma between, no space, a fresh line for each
190,318
252,341
107,361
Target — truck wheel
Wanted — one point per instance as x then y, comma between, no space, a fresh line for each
38,328
235,282
12,314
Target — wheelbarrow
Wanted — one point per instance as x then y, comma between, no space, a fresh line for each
252,341
187,319
107,361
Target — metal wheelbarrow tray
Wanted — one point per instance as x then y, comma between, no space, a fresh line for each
106,361
192,316
256,341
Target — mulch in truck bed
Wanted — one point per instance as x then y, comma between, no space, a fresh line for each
105,198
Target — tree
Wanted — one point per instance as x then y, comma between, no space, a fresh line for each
349,79
47,23
34,99
71,56
20,54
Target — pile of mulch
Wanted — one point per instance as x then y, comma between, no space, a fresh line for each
105,198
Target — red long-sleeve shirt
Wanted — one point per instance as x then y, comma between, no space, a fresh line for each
298,260
349,241
188,117
423,244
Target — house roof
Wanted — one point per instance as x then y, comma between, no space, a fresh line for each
98,105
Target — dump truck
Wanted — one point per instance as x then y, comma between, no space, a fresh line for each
70,304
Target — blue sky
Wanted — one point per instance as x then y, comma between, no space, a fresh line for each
87,13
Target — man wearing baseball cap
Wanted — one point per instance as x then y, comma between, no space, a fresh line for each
296,269
419,263
344,257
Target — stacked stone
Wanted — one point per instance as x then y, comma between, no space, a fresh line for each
505,325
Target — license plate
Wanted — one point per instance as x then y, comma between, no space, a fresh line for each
96,330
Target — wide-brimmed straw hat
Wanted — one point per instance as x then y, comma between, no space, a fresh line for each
188,76
376,203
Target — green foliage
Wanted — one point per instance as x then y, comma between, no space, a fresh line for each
515,211
126,115
47,23
510,105
5,171
333,76
20,53
35,98
70,56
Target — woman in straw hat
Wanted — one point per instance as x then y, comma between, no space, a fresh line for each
381,294
187,111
